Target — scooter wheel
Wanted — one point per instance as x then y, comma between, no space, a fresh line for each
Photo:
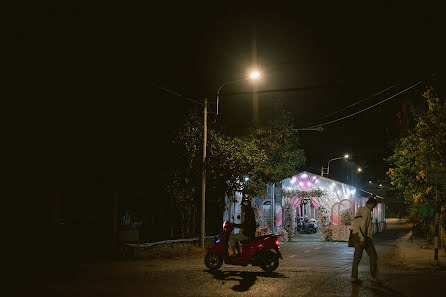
213,261
269,261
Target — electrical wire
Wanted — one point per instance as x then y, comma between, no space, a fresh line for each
356,103
367,108
175,93
286,90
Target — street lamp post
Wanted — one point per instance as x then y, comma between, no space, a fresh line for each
254,75
346,156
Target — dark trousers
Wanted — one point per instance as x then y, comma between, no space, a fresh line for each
371,252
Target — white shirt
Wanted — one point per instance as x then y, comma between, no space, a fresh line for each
363,222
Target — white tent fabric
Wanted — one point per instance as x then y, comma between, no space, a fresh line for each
335,192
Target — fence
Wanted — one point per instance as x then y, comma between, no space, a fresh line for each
137,250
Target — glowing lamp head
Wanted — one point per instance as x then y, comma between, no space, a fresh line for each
359,169
346,156
254,75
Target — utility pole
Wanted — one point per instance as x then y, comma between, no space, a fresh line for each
436,176
114,228
273,210
437,224
203,175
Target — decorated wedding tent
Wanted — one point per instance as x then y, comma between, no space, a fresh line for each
308,195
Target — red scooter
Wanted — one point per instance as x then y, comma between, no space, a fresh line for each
261,251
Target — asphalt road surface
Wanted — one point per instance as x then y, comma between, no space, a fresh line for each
307,269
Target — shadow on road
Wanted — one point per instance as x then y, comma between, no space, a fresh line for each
378,289
246,279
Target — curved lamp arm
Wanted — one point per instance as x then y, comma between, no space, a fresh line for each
225,84
328,166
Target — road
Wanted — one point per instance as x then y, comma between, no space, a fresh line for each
308,269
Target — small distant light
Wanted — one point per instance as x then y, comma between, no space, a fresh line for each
304,175
246,178
346,156
380,185
359,169
370,182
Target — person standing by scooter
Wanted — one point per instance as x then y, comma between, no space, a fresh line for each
362,233
248,227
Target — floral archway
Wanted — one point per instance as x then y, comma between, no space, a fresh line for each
264,217
293,199
298,197
338,208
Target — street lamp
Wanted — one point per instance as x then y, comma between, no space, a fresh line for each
346,156
254,75
359,169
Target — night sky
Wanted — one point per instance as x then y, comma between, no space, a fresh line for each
98,121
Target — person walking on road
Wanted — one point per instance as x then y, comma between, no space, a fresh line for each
362,234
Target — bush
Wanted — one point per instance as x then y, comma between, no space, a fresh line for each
326,232
288,219
346,217
283,235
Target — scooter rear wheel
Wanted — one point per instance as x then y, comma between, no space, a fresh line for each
213,261
269,261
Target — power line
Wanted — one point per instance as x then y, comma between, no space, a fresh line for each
367,108
356,103
277,90
175,93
